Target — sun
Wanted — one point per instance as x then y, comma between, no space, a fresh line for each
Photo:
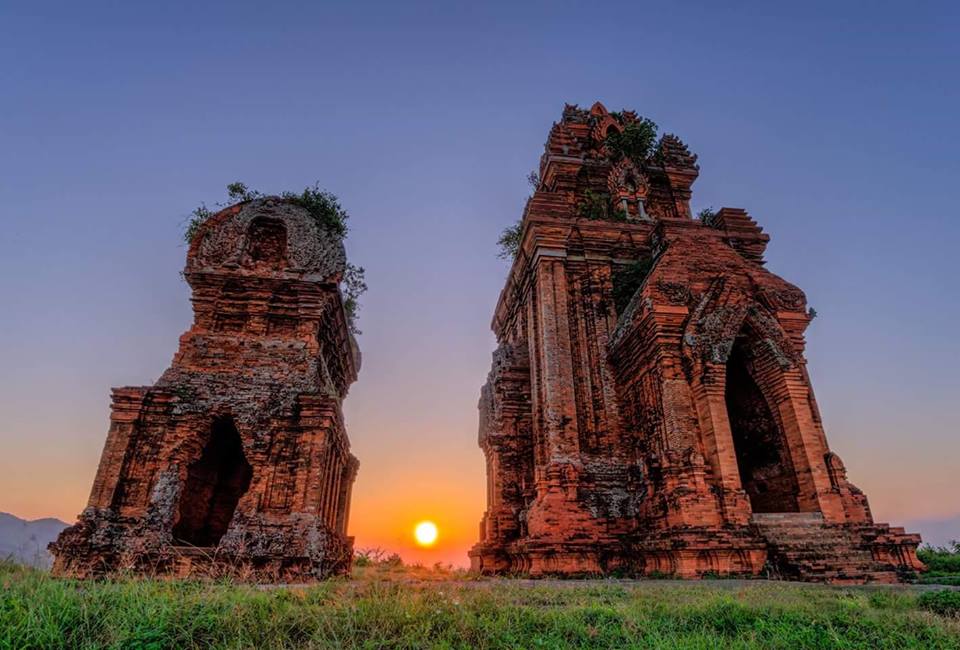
425,533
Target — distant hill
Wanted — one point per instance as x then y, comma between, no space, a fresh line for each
26,541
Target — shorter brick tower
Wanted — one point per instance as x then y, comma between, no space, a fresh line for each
236,459
649,408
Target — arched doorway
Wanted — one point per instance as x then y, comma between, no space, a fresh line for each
766,472
267,244
215,483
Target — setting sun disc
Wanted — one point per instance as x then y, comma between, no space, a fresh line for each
425,533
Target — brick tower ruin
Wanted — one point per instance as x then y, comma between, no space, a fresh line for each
649,409
236,459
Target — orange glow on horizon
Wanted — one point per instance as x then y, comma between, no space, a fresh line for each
391,500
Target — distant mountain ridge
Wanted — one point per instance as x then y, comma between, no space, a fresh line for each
26,541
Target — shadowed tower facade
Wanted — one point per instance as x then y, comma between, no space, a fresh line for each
237,458
649,408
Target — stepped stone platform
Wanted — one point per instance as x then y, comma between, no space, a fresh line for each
803,546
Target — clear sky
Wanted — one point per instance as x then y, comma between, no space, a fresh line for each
834,124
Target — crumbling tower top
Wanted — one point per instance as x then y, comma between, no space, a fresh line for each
268,237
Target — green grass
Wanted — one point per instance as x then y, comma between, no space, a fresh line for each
942,602
397,609
943,564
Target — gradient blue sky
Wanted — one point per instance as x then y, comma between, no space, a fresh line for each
834,124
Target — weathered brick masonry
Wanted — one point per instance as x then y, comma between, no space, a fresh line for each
649,408
236,459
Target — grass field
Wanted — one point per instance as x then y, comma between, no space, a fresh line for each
943,564
396,607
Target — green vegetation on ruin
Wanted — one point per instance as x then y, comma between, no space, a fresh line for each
329,215
637,141
322,205
627,279
509,242
391,606
598,206
707,215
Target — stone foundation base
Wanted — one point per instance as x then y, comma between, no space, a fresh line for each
792,546
681,554
295,549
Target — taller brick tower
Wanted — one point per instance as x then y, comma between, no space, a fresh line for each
236,459
649,408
